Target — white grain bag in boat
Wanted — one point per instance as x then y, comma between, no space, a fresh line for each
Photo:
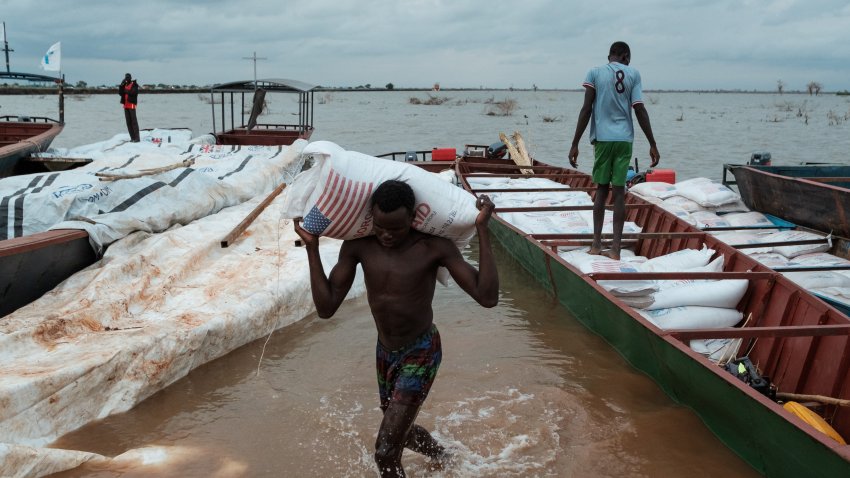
692,317
818,259
716,349
334,195
737,238
706,193
678,261
617,287
752,218
679,212
792,251
714,266
682,203
770,259
818,279
734,206
708,219
720,293
654,189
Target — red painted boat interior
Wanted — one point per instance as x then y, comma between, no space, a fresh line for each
801,343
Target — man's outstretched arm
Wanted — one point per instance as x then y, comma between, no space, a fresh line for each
482,284
328,292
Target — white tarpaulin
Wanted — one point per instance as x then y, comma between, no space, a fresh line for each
219,176
165,297
152,309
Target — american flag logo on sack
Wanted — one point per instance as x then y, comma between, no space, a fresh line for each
611,266
338,207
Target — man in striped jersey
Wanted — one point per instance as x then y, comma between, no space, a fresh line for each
611,91
400,270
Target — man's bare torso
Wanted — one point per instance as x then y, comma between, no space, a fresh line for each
400,283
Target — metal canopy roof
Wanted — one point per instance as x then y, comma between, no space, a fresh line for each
268,84
11,75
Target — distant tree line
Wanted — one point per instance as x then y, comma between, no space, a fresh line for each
813,87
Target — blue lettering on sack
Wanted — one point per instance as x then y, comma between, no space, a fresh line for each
66,190
104,191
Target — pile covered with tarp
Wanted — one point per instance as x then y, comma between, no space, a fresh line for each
158,305
152,309
164,180
164,298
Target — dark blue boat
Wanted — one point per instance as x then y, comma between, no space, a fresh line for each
813,195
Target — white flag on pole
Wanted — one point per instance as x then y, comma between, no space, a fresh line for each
53,58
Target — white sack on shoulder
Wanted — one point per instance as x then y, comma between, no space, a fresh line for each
333,196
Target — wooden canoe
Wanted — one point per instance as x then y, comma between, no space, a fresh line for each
800,342
21,137
815,196
33,265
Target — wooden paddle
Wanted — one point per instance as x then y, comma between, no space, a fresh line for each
518,153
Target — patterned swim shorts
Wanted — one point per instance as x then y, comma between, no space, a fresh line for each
405,375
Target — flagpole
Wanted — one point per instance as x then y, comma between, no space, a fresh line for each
61,97
6,48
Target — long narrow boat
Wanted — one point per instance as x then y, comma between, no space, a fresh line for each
800,342
816,196
35,264
23,136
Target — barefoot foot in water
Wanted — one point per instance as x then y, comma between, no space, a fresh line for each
442,461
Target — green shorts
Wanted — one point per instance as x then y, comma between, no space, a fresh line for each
611,163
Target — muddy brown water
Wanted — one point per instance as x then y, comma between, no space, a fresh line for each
524,390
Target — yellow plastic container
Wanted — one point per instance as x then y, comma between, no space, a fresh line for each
814,420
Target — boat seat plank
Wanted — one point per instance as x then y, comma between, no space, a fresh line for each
565,208
528,190
760,332
681,275
625,235
511,165
812,268
779,243
542,175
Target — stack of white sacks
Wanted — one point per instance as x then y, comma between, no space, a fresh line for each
546,222
680,304
676,304
706,203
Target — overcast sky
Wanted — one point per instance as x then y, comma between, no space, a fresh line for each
676,44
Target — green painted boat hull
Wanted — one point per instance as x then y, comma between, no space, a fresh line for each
751,425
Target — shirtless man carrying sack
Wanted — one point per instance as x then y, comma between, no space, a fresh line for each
400,270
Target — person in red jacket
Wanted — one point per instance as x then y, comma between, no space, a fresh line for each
129,91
